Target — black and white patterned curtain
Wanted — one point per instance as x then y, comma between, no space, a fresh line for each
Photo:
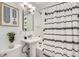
61,30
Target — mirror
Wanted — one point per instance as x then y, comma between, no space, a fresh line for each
28,19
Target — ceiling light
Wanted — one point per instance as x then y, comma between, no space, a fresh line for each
25,3
29,5
33,8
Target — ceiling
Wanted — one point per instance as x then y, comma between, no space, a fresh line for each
41,5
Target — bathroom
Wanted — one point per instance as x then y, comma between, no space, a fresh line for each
39,29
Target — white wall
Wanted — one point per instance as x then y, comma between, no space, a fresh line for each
37,24
4,43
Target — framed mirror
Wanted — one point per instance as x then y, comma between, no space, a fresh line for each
28,22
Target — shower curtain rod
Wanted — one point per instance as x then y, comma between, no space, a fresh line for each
53,5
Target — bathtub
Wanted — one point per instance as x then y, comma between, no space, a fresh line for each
12,52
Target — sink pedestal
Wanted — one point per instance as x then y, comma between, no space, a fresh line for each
32,52
32,42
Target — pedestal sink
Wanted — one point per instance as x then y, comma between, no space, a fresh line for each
32,42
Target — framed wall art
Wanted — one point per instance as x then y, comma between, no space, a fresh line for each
10,15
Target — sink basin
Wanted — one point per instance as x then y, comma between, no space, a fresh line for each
31,40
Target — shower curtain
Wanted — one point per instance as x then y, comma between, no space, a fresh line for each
61,30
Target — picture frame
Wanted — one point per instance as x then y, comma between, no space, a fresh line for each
10,15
